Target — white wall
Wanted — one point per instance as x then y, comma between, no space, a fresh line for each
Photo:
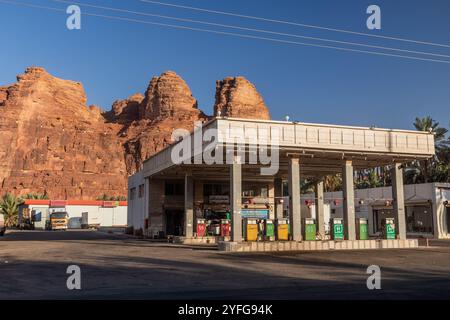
136,206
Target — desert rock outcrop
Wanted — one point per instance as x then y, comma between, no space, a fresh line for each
238,98
52,142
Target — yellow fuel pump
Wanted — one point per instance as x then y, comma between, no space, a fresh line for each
282,230
251,229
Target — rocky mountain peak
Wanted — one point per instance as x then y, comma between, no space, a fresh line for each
236,97
167,96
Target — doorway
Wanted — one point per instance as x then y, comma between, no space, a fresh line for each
174,222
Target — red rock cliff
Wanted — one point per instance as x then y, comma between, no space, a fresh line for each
52,142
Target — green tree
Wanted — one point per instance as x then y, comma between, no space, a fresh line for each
9,207
36,196
426,167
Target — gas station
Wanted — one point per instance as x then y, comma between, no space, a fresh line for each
242,208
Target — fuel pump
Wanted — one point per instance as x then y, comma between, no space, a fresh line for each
388,228
225,228
251,229
362,230
282,230
337,229
309,231
201,228
270,230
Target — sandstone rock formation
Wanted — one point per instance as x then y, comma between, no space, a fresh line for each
238,98
167,96
168,105
52,142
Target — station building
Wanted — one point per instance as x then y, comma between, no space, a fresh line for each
169,196
427,208
82,213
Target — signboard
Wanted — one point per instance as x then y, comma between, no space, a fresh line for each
219,199
58,203
255,213
110,204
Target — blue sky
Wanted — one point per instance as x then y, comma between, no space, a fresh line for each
114,59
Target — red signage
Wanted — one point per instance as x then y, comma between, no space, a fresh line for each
58,203
110,204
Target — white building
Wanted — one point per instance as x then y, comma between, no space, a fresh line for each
90,213
427,208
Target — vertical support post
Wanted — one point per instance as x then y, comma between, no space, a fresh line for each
278,185
399,200
294,199
236,199
188,205
146,213
320,215
349,200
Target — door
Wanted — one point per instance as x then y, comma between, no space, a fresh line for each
174,222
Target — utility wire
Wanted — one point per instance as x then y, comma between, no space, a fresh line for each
293,23
250,29
228,33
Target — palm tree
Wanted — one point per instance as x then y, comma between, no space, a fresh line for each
9,207
429,125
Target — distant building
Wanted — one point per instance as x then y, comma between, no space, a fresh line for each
82,213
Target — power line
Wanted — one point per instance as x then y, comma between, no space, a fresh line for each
229,33
250,29
294,23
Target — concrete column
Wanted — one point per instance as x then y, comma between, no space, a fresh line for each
320,216
146,213
236,200
278,185
399,200
349,200
294,199
188,206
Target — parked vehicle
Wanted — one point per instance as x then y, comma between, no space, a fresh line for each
59,221
2,225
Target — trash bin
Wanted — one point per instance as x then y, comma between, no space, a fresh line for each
337,229
388,228
309,229
282,230
201,228
250,229
362,230
270,230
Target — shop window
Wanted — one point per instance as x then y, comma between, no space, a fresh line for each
132,193
174,189
141,191
255,191
216,189
419,219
